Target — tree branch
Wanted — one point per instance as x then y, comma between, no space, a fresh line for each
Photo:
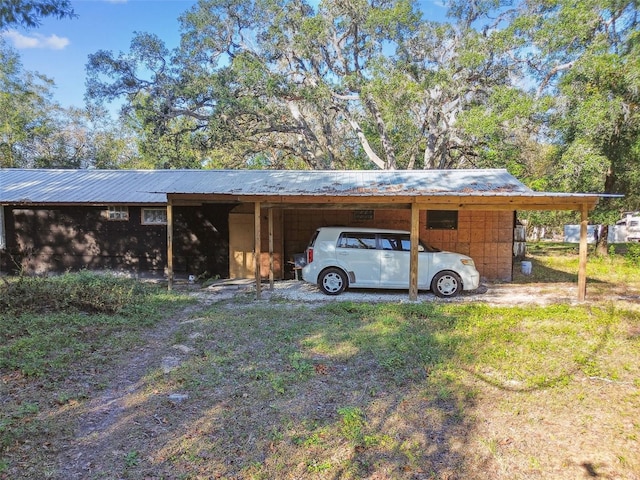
555,70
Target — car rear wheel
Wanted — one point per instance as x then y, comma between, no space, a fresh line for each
332,281
446,284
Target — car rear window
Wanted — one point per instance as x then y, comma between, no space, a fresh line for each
313,238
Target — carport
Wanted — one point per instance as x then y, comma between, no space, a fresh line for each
414,190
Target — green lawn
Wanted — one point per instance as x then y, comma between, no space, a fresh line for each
273,389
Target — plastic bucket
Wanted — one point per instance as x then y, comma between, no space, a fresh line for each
526,267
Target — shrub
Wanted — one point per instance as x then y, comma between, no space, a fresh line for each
633,254
85,291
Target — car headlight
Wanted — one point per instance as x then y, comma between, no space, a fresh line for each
468,262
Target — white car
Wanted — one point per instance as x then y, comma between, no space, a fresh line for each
341,257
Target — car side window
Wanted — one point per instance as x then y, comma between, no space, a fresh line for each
357,240
390,242
405,245
397,242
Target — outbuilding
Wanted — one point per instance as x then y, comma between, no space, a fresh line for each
253,223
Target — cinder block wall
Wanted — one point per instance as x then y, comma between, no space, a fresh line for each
486,236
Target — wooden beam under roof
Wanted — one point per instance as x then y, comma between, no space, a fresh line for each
434,202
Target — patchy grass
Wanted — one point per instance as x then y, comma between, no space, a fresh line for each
616,273
440,390
59,338
51,324
402,390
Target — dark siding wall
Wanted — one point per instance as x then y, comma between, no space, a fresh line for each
201,240
71,238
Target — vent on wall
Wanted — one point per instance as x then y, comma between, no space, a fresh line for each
362,215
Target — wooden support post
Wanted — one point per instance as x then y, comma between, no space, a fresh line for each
413,263
170,245
271,248
256,250
582,267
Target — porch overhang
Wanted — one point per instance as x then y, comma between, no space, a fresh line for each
500,201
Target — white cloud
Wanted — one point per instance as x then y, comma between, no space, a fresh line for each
20,41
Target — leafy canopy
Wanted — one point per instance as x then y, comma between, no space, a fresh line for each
29,13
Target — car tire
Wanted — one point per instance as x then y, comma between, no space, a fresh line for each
446,284
332,281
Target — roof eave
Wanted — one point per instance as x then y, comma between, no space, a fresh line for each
435,201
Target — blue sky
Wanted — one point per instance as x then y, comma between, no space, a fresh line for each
59,48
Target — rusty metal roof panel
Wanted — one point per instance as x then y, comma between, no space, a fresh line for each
346,183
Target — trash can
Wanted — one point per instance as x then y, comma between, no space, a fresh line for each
526,268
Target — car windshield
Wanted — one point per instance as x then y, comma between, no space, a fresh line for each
429,248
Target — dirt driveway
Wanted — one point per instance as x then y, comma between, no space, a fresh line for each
491,293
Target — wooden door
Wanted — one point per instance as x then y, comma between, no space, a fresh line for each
241,245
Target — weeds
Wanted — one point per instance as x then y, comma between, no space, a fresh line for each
303,367
633,254
314,466
85,291
352,420
131,459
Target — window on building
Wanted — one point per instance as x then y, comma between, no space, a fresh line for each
154,216
118,212
442,219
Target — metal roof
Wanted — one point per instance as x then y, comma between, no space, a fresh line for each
42,186
84,186
345,182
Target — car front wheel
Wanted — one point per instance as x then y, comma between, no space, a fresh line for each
332,281
446,284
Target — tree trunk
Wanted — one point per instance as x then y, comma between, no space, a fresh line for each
602,242
430,152
390,154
